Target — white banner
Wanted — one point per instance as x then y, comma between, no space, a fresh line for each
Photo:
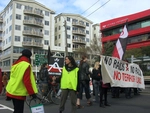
120,73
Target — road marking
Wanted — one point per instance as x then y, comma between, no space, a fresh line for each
5,107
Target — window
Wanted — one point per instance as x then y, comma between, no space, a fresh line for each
69,45
47,23
68,27
46,42
18,16
68,36
87,40
9,28
68,19
46,32
87,32
59,27
17,38
55,37
59,36
10,17
46,13
87,24
18,6
17,27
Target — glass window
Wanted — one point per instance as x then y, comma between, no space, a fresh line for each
17,27
46,13
18,6
46,42
68,19
17,38
18,16
47,23
46,32
145,23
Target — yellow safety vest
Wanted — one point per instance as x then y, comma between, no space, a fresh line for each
69,80
15,85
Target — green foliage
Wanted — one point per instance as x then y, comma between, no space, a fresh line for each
108,48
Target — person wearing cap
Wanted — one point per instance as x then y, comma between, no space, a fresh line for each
22,81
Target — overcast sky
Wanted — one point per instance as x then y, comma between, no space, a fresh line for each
94,10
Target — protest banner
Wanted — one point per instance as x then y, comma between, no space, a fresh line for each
120,73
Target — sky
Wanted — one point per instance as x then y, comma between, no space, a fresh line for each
95,10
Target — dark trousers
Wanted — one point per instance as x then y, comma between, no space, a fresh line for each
115,91
103,93
84,85
18,105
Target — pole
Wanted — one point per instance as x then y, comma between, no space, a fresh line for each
36,71
132,58
66,49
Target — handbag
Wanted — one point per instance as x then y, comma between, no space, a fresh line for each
37,108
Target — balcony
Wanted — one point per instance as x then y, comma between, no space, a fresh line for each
32,43
78,24
34,12
79,32
0,48
32,33
79,41
33,22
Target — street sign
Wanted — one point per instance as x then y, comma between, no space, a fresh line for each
40,59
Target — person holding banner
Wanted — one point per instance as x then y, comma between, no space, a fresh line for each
69,84
103,92
22,81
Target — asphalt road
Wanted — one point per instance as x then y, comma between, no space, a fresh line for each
137,104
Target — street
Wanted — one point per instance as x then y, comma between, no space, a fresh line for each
137,104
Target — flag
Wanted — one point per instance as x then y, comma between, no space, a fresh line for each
49,54
121,44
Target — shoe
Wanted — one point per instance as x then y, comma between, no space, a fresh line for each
102,105
79,106
89,103
60,111
107,104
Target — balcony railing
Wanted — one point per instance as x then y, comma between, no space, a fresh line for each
80,32
0,38
32,43
33,22
78,24
79,41
33,33
34,12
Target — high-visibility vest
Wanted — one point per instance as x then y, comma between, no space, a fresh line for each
69,80
15,85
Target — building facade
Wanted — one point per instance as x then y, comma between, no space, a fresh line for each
24,24
78,31
138,28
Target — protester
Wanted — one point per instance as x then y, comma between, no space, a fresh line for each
84,82
5,81
69,83
22,82
44,79
103,92
96,80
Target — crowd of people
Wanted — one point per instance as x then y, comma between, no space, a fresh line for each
73,81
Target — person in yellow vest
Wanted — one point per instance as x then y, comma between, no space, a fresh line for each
22,81
69,84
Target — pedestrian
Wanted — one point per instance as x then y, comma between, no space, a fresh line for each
5,81
44,79
103,92
22,81
69,83
96,80
84,82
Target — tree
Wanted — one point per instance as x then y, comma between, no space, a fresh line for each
108,48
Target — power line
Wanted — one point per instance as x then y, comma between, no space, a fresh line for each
98,8
90,7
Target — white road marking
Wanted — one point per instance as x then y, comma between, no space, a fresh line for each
5,107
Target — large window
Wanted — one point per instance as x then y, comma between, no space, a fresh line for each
133,26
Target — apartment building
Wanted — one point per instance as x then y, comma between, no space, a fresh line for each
24,24
78,32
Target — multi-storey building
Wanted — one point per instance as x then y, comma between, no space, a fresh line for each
24,24
78,32
138,28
